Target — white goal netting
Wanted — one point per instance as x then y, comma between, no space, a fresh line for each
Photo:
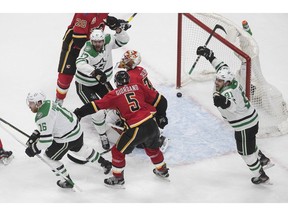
267,99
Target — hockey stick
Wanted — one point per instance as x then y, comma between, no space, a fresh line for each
15,128
81,161
39,156
217,26
130,18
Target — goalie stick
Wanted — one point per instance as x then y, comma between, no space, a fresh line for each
217,26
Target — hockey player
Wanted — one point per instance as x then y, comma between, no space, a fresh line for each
129,61
5,156
58,132
76,35
131,101
95,67
229,97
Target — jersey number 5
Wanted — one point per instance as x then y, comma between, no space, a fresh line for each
132,101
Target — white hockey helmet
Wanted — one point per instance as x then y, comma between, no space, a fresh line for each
130,59
225,74
35,97
97,35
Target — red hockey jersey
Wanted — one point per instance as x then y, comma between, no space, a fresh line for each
139,75
133,101
85,23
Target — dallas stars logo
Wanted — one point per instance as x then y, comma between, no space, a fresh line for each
101,64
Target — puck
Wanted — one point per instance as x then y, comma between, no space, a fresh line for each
179,94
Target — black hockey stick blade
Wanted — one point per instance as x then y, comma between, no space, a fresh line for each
83,161
76,160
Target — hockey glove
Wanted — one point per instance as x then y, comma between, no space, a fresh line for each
32,150
207,53
124,24
33,138
113,23
100,76
221,101
162,121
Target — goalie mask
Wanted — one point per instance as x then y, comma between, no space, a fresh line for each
130,59
225,74
35,97
121,78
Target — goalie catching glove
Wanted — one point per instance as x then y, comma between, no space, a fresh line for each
99,75
221,101
32,149
207,53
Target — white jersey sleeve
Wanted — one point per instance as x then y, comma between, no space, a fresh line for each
56,123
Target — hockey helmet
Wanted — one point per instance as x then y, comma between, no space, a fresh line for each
225,74
121,78
97,35
35,97
130,59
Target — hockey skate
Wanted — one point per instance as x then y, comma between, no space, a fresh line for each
107,166
264,161
263,178
6,156
104,141
65,183
162,172
115,182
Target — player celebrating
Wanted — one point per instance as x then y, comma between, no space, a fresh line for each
95,67
58,132
77,33
237,110
131,101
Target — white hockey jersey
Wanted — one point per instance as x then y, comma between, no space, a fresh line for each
240,114
89,59
56,122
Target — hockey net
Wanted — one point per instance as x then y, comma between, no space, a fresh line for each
240,51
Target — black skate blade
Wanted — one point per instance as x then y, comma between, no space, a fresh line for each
166,179
268,182
115,186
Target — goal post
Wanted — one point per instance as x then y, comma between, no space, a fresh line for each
240,51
